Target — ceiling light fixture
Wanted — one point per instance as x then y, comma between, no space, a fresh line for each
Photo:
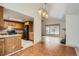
42,11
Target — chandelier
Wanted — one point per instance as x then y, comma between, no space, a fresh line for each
42,11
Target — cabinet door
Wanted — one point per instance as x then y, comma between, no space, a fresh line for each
18,26
9,45
1,46
12,44
17,43
1,17
31,36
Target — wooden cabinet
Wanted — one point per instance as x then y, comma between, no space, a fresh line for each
1,46
31,36
1,17
10,44
30,23
17,25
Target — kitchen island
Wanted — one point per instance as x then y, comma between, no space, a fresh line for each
10,43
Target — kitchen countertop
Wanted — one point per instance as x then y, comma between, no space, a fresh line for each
4,32
4,36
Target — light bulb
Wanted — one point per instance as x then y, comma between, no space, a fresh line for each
46,16
44,13
40,11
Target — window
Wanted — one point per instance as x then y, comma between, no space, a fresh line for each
52,29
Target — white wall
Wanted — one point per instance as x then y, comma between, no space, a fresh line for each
12,14
54,21
30,10
72,30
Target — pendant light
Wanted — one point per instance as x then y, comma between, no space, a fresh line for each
42,11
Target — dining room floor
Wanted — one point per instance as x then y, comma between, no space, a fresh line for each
47,48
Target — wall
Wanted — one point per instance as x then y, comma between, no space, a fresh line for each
30,10
54,21
12,14
72,30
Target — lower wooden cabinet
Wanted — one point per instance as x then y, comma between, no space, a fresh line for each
10,44
1,46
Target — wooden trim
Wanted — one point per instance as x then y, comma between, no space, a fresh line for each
53,25
13,21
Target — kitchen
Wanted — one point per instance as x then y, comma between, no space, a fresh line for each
10,19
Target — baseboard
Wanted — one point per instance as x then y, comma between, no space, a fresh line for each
17,51
37,42
20,49
77,51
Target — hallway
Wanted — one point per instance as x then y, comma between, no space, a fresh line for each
47,48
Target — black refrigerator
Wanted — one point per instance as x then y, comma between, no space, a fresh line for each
26,33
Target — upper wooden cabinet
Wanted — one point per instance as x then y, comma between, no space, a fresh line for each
30,23
17,25
1,12
1,17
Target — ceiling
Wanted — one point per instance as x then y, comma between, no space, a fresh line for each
55,10
59,10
